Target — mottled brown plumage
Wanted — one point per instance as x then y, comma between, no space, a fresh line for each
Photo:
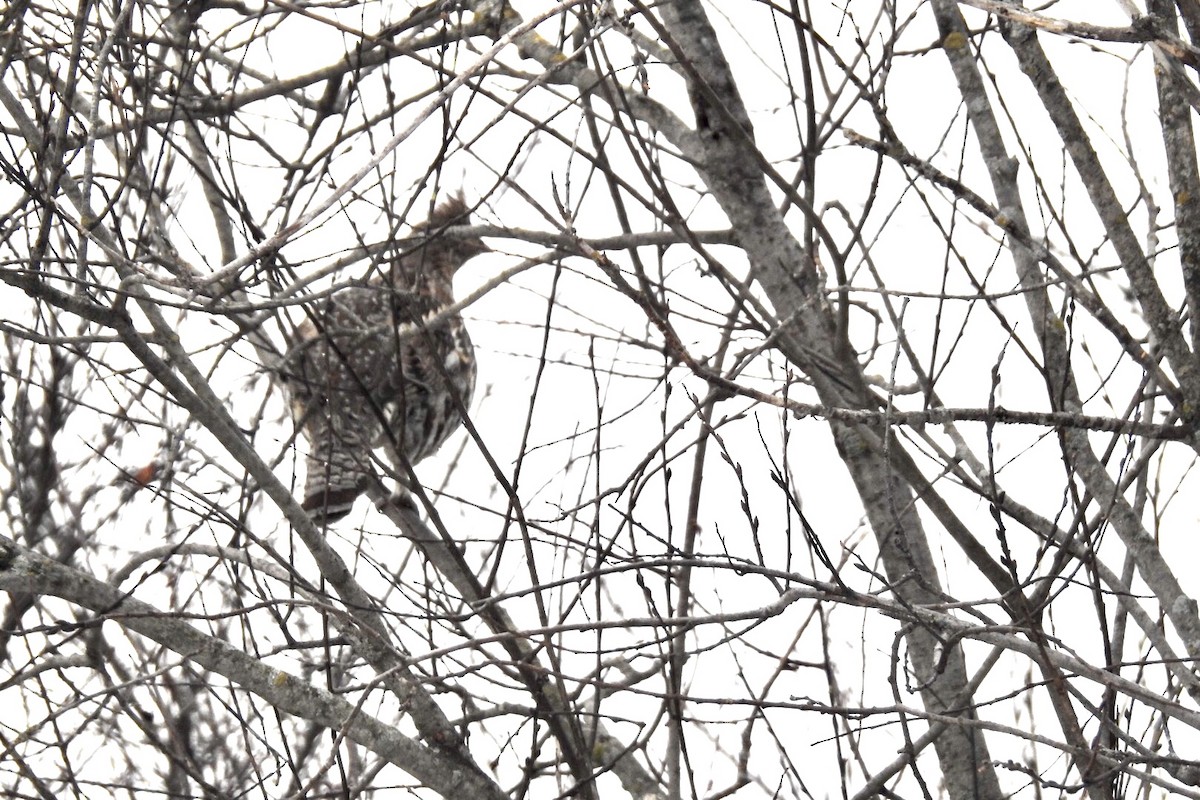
371,368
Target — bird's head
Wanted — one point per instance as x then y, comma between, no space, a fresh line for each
443,250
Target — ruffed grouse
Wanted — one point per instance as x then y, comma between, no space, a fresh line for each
373,367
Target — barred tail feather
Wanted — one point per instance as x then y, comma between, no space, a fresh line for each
327,504
336,471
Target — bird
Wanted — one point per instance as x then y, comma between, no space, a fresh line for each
381,364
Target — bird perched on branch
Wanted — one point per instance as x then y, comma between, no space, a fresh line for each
378,365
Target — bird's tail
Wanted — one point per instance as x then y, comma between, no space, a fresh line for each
338,465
